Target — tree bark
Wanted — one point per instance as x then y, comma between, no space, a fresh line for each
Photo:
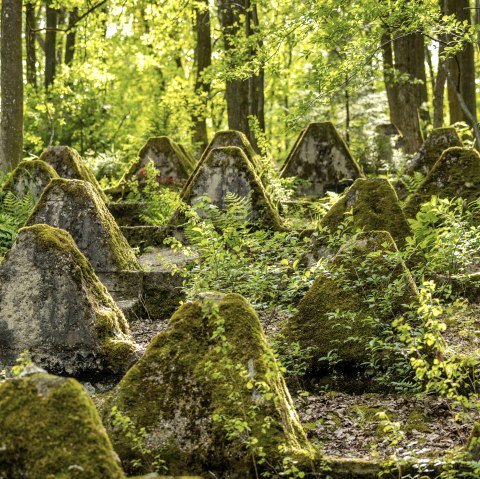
30,44
391,87
203,57
50,45
238,92
461,70
71,37
408,93
11,82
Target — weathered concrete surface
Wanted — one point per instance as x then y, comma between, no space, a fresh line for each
439,140
190,374
333,316
228,170
173,163
76,206
30,176
50,428
68,164
373,205
455,174
227,138
321,157
53,305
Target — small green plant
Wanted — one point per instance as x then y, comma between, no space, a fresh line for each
447,235
137,438
14,212
159,202
22,362
266,267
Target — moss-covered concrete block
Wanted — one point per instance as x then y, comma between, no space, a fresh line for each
321,157
51,429
65,317
210,371
30,176
76,206
373,205
333,316
173,163
228,170
68,164
455,174
439,140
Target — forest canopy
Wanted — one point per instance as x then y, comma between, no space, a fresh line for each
103,76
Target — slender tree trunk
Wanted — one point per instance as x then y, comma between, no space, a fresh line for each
30,44
11,83
439,91
461,69
71,37
409,95
203,57
50,45
61,25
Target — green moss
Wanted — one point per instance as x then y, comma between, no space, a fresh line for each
439,140
374,205
334,314
417,421
173,392
110,325
455,174
268,215
50,429
68,164
84,196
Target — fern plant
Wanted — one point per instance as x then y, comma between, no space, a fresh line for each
14,212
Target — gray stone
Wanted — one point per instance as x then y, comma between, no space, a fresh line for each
172,161
321,157
53,305
228,170
68,164
76,206
436,143
30,176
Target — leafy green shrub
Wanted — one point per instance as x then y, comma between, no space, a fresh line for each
159,201
447,234
266,267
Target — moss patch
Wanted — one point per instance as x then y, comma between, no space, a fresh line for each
110,327
335,314
184,380
374,205
50,429
455,174
439,140
30,176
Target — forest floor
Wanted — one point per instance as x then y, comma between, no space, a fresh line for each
348,425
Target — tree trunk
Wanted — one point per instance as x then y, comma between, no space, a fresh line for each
391,87
71,37
11,83
30,44
237,92
409,95
461,69
203,57
50,45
